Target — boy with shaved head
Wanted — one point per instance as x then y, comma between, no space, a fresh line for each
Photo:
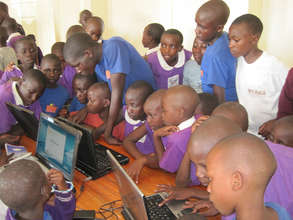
95,28
239,169
116,62
218,65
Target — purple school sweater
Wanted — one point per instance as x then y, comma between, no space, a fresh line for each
167,76
67,78
7,75
7,119
145,145
62,210
280,188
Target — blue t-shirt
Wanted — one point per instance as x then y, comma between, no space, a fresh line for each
53,99
119,56
219,68
75,105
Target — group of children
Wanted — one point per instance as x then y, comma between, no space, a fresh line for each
168,111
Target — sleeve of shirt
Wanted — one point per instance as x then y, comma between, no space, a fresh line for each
217,73
4,77
6,118
117,58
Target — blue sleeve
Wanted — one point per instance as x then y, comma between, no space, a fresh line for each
117,58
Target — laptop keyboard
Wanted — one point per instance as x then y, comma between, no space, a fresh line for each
102,161
157,212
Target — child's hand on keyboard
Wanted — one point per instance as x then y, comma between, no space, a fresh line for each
56,177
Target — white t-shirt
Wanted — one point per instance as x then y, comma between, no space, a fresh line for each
258,87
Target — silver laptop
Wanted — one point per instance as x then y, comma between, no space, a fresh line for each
136,206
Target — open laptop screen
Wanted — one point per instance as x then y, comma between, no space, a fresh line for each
57,143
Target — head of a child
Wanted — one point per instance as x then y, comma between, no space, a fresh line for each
208,102
94,27
244,34
175,107
51,68
3,11
233,111
26,51
3,36
211,18
31,86
152,34
239,168
24,187
153,109
282,131
198,49
203,140
171,44
82,52
10,25
80,85
83,16
135,97
99,97
57,49
74,29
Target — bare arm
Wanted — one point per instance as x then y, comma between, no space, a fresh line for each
183,173
220,93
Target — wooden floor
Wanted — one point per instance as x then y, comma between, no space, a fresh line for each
104,190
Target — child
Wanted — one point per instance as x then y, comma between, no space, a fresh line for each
80,85
68,71
218,65
192,72
26,52
11,27
240,168
282,131
167,64
83,16
39,51
25,92
7,54
54,96
233,111
208,102
151,37
178,116
74,29
99,99
260,76
95,28
25,189
144,152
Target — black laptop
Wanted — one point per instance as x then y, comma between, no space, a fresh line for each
92,159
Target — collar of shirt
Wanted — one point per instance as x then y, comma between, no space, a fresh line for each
165,65
187,123
18,100
149,51
130,120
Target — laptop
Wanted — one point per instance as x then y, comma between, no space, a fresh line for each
136,206
92,158
26,119
57,146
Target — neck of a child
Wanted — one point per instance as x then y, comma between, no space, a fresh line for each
152,46
52,85
173,62
25,67
253,55
253,208
104,114
35,214
217,36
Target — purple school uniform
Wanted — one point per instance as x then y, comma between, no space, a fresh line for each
62,210
7,75
167,76
280,188
67,78
175,147
7,119
145,145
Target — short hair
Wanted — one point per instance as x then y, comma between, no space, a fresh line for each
4,7
97,19
103,86
34,74
74,29
21,40
85,11
208,102
176,33
90,78
57,46
51,57
144,87
155,30
10,24
31,36
3,36
253,22
77,44
21,185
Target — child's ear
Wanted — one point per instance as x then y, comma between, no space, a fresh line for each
107,103
237,181
220,28
180,48
88,52
255,38
45,192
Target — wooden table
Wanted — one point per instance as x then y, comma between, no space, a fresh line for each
104,190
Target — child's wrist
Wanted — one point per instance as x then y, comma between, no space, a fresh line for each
67,187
